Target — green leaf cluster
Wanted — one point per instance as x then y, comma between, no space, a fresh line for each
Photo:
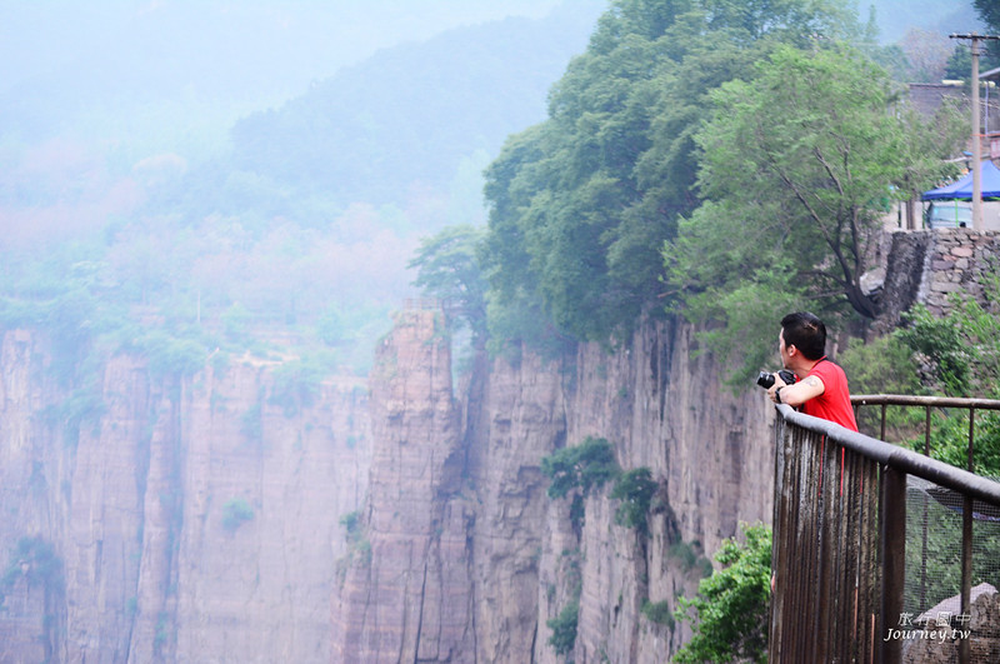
449,268
960,356
885,365
731,610
658,612
799,164
235,513
297,382
586,467
963,346
635,489
989,11
35,559
563,628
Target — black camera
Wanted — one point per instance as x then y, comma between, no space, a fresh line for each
766,380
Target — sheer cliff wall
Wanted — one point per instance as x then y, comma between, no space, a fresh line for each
469,558
152,518
155,519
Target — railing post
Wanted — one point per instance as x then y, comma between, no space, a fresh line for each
892,545
964,651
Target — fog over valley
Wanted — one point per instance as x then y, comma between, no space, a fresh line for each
412,330
277,162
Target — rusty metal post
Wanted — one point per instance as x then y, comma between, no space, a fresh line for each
923,522
964,653
892,545
882,434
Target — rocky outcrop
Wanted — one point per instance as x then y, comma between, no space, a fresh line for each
465,558
171,519
710,452
407,592
229,516
522,544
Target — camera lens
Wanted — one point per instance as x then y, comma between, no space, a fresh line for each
765,380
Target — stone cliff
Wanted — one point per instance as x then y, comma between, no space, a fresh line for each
406,595
467,559
227,517
220,517
164,519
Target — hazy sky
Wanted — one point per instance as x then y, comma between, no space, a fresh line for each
248,39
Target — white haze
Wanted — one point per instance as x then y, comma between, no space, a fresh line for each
188,69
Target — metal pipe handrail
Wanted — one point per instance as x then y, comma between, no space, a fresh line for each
808,511
899,458
932,402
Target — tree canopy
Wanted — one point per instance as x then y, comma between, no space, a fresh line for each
989,11
448,268
581,203
730,611
799,166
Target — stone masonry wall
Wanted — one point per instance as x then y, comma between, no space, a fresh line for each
930,267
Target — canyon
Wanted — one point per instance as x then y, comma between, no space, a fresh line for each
222,517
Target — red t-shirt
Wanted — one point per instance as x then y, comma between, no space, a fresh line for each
835,402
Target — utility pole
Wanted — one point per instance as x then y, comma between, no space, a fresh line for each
977,138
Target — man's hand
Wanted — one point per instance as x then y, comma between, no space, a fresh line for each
772,392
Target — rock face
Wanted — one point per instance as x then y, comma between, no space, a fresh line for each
200,519
467,559
166,519
710,452
407,594
237,515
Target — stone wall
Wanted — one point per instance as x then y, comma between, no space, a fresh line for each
930,267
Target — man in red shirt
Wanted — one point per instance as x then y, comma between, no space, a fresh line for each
821,390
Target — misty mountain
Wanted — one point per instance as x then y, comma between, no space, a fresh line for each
174,75
409,115
306,220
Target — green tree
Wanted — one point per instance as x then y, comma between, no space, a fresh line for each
799,167
235,513
581,203
448,267
989,11
732,607
962,347
635,489
585,467
563,628
960,353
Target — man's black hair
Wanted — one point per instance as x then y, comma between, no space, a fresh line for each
806,332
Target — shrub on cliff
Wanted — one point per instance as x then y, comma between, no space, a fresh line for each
635,490
732,606
235,513
564,629
585,466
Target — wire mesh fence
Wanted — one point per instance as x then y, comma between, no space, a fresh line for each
933,623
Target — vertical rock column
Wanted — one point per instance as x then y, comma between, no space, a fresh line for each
406,594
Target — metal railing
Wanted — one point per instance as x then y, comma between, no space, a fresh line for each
839,539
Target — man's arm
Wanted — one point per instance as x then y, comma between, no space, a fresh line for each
799,393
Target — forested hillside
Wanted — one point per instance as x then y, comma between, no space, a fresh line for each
300,231
407,116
